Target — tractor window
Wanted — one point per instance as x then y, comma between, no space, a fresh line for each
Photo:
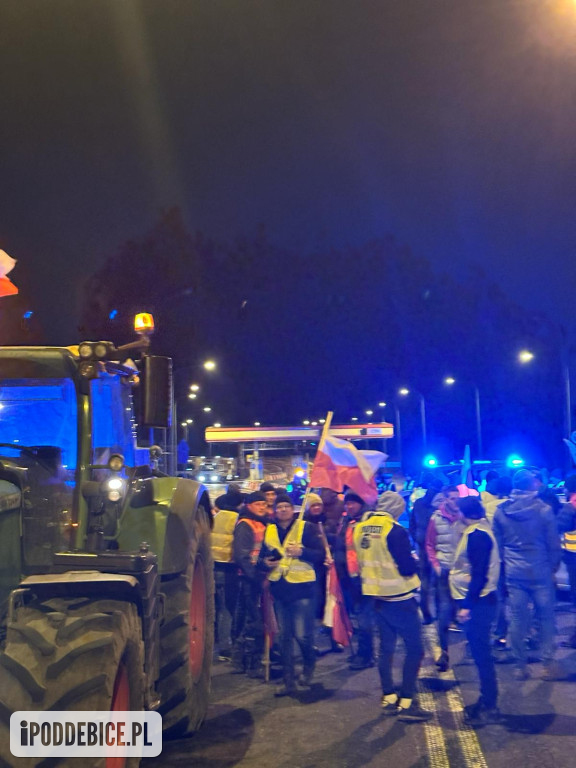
113,428
40,413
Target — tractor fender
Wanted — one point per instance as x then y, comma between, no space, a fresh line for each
80,583
189,502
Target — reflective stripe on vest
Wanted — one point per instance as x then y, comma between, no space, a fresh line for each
258,530
569,541
223,535
294,570
380,574
461,572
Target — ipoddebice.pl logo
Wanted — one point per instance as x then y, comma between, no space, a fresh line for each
86,734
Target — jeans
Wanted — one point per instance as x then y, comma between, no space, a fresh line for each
393,619
360,608
521,593
296,622
478,629
248,626
444,607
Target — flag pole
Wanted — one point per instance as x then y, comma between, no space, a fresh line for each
323,436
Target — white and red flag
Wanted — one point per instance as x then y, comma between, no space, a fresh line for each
7,287
335,614
339,464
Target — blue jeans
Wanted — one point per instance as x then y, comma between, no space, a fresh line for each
521,593
478,629
296,622
393,619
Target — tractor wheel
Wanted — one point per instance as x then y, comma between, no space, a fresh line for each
187,637
77,654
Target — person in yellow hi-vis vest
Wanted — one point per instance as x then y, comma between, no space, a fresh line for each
225,573
474,586
291,550
389,575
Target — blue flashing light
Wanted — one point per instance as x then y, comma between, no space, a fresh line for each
27,315
430,461
112,314
514,461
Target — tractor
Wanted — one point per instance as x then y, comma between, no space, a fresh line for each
106,576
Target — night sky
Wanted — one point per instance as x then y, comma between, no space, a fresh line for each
448,123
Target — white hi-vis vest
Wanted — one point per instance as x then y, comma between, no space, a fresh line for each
223,535
294,570
461,571
378,569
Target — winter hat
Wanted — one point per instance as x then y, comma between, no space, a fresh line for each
256,496
283,498
471,507
234,492
313,498
391,502
351,496
524,480
227,501
265,487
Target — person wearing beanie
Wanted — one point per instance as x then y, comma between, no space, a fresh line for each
442,537
225,572
358,606
527,535
270,493
474,586
249,628
291,549
389,575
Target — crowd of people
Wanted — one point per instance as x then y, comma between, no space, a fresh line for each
483,563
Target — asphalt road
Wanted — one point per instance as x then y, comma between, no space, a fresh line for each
337,723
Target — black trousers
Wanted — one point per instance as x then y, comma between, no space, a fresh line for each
478,629
393,619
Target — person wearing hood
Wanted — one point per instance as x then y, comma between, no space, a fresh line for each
442,538
422,511
474,586
249,628
527,534
346,562
389,576
292,549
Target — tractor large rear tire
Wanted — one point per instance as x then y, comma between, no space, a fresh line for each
77,654
187,637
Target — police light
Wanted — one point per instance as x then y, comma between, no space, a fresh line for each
514,461
144,323
430,461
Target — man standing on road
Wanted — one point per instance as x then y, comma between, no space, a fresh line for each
422,511
442,538
249,625
474,586
225,572
291,550
389,577
527,534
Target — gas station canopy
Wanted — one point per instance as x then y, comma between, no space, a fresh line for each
269,434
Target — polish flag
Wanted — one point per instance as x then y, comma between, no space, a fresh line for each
7,287
335,615
338,464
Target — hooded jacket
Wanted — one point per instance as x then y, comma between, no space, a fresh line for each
527,535
422,511
245,544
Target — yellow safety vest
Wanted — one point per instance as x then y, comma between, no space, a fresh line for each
294,570
378,569
569,541
223,535
461,572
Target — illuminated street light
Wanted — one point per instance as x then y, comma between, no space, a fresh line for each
306,422
210,365
322,421
403,391
314,423
256,423
369,413
183,424
217,425
194,387
449,381
381,405
525,356
189,421
192,396
354,418
207,409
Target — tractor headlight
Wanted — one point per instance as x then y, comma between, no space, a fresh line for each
115,488
85,351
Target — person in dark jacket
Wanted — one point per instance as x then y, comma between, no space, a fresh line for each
422,511
249,627
474,586
527,535
292,548
567,529
333,509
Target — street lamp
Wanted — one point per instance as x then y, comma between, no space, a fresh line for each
525,356
404,391
369,413
192,395
256,423
450,381
209,365
207,409
194,387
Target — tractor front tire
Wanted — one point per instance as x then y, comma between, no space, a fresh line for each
71,654
187,637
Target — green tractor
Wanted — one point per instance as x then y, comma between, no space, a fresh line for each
106,579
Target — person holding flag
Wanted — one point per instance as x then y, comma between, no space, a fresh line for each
291,549
389,576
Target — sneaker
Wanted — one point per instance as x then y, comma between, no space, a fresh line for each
413,714
520,673
285,690
443,663
478,715
357,662
389,708
499,644
453,627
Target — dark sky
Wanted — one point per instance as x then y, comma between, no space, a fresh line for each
449,123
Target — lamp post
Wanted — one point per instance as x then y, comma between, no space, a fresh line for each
404,391
450,381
